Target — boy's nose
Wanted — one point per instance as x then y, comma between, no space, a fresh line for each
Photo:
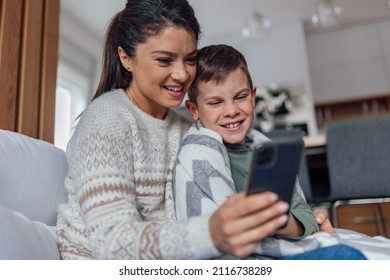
231,109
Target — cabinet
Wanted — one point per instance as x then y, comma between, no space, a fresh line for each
351,109
350,63
371,219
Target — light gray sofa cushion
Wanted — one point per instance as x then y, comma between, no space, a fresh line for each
32,176
23,239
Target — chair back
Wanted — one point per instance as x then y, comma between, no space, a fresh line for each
358,156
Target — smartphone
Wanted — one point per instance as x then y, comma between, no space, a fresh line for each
274,166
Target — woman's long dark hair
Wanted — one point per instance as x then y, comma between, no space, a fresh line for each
132,26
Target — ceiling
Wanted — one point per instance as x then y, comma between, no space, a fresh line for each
223,17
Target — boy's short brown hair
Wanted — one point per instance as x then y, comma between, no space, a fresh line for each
215,62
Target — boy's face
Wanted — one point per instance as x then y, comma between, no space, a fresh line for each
227,107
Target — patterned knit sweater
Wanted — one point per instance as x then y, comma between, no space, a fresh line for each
120,188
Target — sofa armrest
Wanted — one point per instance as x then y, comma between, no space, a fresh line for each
32,175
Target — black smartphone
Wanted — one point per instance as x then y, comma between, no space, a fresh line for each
274,167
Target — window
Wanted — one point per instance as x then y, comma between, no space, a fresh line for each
72,96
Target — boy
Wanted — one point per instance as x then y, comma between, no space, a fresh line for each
212,162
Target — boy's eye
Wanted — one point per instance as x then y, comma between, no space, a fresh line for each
242,96
214,102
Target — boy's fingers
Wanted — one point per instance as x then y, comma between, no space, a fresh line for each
320,217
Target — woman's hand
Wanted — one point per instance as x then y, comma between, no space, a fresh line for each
243,221
324,222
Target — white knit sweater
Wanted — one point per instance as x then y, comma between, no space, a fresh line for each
120,187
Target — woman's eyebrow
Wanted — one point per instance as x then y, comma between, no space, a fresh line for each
168,53
164,52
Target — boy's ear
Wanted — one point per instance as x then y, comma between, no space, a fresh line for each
254,89
192,109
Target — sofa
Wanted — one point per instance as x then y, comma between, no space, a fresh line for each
32,174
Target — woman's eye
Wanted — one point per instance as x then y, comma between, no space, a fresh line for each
164,60
191,60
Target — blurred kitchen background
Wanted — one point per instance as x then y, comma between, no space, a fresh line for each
314,62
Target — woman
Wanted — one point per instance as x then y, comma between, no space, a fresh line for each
122,152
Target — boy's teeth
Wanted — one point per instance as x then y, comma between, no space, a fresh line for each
232,125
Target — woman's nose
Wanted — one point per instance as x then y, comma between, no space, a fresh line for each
180,73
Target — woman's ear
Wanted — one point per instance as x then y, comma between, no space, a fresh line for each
125,59
192,109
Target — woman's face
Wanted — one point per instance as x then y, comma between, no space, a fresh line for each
163,69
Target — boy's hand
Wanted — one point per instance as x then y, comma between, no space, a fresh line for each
324,222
